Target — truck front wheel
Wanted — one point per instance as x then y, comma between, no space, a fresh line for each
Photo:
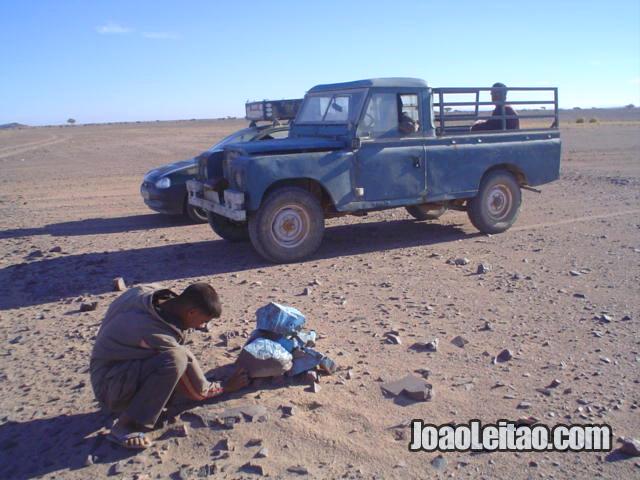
497,205
195,214
288,226
228,229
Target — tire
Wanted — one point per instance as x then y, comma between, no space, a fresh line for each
195,214
425,212
253,235
497,205
228,229
288,227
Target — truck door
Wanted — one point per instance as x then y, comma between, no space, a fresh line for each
390,163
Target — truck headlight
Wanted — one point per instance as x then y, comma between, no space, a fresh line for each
164,182
239,179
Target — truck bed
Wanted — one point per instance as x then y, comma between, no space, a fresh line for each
455,164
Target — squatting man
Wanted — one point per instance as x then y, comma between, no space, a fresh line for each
139,361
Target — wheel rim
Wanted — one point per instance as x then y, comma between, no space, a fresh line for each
200,213
499,202
290,226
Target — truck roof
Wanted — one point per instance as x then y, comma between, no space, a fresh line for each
372,82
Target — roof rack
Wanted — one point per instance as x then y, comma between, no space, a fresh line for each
272,110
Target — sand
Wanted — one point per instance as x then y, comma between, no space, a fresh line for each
77,188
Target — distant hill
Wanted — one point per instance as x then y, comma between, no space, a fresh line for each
7,126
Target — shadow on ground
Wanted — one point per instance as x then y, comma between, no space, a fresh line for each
99,226
44,446
59,277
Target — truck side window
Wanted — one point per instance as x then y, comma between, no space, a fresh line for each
390,115
409,105
381,117
409,113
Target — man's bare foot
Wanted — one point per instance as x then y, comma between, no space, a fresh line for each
125,434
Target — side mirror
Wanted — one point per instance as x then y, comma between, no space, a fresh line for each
355,143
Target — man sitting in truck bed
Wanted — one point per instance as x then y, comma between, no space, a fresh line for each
498,97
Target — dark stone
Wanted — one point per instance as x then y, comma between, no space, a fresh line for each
411,386
630,447
119,285
288,410
254,468
430,347
298,470
314,388
262,453
88,307
483,268
460,341
504,356
554,383
393,339
223,445
439,462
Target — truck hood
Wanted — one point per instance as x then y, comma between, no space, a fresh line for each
288,145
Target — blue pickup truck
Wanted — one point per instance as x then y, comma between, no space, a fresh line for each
383,143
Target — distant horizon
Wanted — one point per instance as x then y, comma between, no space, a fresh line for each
231,117
240,116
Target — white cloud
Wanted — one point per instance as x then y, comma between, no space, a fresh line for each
161,35
635,81
111,28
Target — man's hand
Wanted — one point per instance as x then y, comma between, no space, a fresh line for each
239,379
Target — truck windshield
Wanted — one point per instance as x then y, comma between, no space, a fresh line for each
331,107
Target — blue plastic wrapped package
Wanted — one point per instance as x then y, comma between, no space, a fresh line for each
279,319
265,358
304,360
308,339
289,344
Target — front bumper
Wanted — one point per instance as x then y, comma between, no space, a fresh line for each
169,201
231,206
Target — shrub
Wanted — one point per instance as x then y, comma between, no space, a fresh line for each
593,120
580,120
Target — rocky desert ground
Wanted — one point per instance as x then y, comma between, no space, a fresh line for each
562,294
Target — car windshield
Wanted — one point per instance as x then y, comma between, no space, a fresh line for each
331,107
244,135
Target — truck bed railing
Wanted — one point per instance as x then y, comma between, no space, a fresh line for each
456,117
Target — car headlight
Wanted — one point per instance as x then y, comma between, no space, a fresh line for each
164,182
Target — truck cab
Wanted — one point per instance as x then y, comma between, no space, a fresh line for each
383,143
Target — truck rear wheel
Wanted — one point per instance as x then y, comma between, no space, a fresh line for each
426,211
289,225
229,230
497,205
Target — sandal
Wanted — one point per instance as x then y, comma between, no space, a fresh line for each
122,439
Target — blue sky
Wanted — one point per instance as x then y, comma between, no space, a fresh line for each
99,61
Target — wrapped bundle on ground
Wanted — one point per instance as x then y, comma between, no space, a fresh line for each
265,358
